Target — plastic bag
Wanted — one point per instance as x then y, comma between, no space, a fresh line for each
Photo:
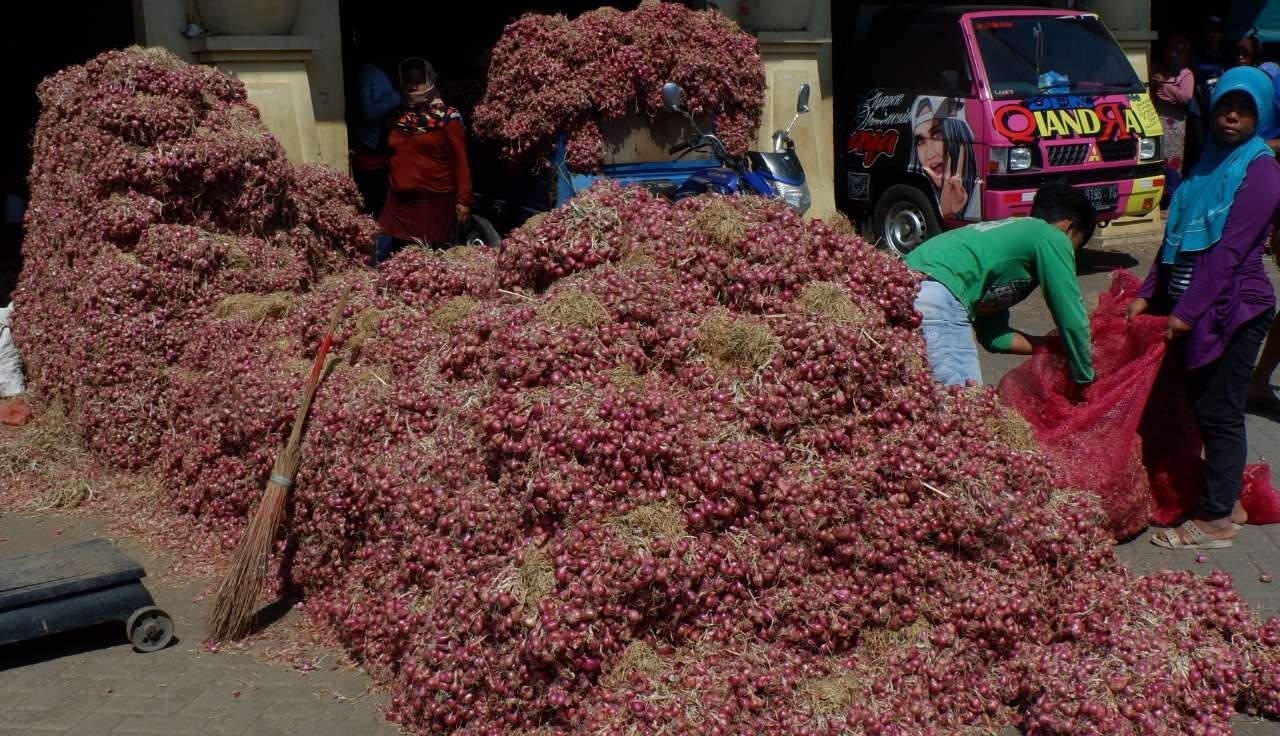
1134,440
11,382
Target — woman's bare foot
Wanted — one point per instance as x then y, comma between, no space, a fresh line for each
1239,515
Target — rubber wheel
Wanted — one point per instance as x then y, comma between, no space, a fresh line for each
904,218
150,629
479,231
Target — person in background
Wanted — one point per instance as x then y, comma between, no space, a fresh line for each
1262,400
1210,58
1247,51
1210,281
1208,62
1272,134
429,187
376,99
1173,92
974,274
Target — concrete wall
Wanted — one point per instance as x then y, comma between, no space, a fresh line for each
319,19
160,23
793,58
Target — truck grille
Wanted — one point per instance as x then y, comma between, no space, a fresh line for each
1125,149
1070,154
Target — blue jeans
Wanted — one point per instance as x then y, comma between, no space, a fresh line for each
385,246
948,336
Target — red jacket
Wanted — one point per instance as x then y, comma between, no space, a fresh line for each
431,162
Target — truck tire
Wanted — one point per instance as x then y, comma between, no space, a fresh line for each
903,219
479,231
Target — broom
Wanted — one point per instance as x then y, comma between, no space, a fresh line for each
232,613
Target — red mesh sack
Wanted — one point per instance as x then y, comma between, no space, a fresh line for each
1134,440
1259,497
1095,445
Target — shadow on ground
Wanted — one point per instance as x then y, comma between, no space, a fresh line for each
1090,262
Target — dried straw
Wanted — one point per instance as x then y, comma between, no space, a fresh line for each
637,658
840,223
531,580
723,224
254,307
834,694
646,524
463,253
453,311
830,300
48,442
1013,431
573,308
737,342
625,376
63,497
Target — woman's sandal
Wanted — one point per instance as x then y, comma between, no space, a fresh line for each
1170,539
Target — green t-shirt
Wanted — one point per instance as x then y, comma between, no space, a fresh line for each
990,266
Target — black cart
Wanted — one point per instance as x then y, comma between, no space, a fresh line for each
76,586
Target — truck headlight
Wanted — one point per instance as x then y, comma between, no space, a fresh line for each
1019,158
1148,148
795,195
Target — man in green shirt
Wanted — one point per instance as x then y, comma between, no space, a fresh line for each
974,274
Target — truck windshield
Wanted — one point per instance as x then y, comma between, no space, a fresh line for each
1025,56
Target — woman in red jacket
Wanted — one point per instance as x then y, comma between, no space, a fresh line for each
429,190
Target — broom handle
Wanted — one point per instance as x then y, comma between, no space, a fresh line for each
309,390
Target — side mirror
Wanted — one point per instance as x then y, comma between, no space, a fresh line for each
802,102
672,95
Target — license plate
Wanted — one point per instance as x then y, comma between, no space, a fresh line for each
1103,197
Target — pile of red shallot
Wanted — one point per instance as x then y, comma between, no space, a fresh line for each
647,468
549,75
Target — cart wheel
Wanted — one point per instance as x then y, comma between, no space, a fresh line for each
150,629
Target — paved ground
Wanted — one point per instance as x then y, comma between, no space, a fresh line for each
84,684
1257,548
91,683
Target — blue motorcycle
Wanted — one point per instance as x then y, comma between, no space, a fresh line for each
774,175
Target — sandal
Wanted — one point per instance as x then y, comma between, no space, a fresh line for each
1170,539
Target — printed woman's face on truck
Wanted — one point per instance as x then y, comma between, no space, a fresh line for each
942,150
930,150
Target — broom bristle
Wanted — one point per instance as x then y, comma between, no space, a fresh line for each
232,614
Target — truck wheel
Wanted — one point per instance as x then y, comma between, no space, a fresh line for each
479,231
904,218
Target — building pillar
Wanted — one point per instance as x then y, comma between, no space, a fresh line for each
1130,23
274,72
790,60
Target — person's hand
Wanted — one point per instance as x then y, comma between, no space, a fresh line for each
464,212
1136,307
953,197
1076,392
1157,78
1175,328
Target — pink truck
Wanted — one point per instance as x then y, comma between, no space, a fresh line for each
959,114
